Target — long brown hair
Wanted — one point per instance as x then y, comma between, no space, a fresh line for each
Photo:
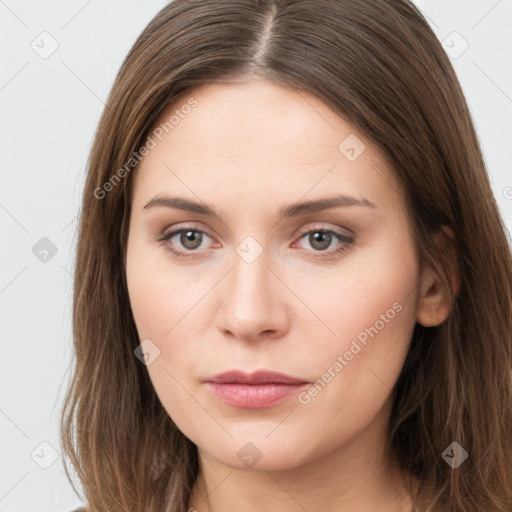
377,64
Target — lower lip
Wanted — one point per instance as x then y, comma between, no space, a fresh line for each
254,396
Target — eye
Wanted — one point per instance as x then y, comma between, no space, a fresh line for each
320,239
189,238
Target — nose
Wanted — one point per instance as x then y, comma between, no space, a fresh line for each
252,302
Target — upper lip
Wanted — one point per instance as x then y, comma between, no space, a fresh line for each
257,377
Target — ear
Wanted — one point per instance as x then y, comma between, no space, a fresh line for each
435,298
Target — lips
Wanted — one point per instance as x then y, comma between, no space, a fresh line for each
258,377
262,388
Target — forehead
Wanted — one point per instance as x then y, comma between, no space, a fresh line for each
263,141
243,116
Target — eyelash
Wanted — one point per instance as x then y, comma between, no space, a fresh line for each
349,241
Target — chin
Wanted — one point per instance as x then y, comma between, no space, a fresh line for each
259,451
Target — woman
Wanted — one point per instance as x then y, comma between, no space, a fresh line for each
293,285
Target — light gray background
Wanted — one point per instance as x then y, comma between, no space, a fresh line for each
49,111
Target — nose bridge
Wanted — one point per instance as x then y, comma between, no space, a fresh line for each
249,281
249,304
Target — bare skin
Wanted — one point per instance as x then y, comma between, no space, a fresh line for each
248,150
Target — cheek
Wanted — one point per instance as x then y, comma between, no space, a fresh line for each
372,310
157,307
355,377
160,293
166,306
371,296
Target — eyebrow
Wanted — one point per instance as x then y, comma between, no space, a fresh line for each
293,210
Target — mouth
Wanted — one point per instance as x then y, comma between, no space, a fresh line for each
256,390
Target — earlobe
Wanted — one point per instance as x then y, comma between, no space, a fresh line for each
434,305
430,302
435,300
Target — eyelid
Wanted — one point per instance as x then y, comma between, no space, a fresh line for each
323,227
190,226
169,233
193,226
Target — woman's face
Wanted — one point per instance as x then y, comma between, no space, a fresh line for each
327,296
